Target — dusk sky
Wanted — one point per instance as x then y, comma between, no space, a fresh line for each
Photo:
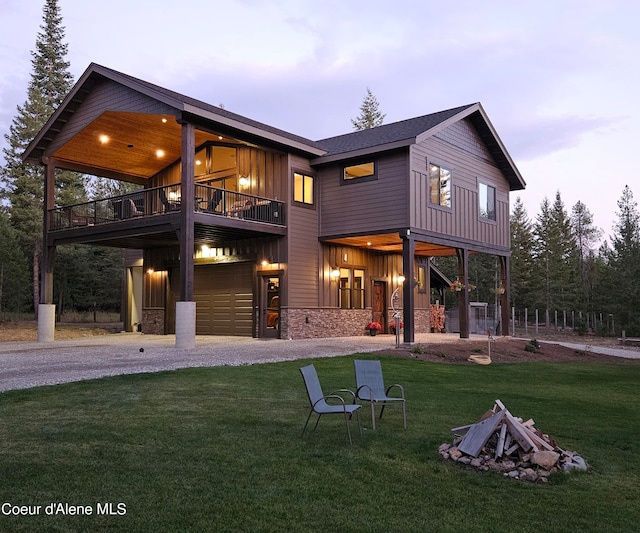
559,79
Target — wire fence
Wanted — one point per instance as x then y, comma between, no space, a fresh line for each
526,322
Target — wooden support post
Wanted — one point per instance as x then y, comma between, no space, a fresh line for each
408,304
186,210
505,297
463,295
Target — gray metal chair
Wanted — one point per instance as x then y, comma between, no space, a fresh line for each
319,404
370,388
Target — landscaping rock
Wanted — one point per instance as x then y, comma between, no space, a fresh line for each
545,459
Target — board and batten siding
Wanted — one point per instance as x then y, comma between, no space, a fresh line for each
303,245
113,97
368,206
459,149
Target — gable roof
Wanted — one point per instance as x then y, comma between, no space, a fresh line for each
411,131
404,130
360,143
96,74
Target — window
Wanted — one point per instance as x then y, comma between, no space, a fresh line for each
440,185
302,188
351,288
363,170
487,201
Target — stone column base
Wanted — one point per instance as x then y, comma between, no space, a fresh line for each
185,324
46,322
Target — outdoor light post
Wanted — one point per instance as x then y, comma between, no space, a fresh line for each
396,314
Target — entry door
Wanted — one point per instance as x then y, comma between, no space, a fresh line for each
379,303
270,307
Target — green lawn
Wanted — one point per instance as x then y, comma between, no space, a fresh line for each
219,449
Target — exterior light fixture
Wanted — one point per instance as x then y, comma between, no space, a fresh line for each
401,278
104,139
335,273
244,181
150,271
264,262
159,153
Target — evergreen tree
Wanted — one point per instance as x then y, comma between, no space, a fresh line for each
624,260
22,184
555,258
14,293
586,236
370,115
522,267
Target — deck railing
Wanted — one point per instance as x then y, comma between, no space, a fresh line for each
166,199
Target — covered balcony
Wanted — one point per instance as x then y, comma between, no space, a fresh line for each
149,211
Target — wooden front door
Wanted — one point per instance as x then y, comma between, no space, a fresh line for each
379,304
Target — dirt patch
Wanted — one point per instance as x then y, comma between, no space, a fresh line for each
28,331
503,350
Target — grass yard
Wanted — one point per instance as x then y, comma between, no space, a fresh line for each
219,449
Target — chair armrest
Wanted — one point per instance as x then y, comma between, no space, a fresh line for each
365,387
353,394
396,385
327,397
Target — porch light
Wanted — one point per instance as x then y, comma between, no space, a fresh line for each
150,271
159,153
335,272
401,278
244,181
104,139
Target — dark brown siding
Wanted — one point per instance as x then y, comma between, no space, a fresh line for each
370,206
460,149
304,248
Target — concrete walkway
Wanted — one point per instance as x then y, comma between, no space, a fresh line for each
25,365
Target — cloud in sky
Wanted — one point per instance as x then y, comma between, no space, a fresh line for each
558,78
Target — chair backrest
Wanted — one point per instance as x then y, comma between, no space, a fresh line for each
312,383
163,197
369,373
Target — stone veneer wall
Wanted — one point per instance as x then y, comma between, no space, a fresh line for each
333,322
153,321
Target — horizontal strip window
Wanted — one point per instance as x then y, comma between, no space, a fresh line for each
360,172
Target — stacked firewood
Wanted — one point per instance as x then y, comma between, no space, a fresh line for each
436,317
501,442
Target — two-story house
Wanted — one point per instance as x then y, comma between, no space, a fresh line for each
245,229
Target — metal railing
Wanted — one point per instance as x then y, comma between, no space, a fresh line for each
167,199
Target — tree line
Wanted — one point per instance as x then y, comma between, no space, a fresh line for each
560,264
85,277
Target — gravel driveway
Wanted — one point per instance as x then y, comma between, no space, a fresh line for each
25,365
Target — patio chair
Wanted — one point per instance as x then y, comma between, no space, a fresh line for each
370,388
320,405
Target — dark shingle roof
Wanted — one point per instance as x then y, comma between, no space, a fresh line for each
387,133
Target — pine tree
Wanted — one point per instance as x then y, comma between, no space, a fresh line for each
555,258
370,115
22,184
521,257
624,260
586,236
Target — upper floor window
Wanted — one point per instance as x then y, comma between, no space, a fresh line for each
440,185
487,201
302,188
362,170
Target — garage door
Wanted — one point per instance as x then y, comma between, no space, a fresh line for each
224,299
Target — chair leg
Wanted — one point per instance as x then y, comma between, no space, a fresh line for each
404,414
358,419
305,424
346,423
373,415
